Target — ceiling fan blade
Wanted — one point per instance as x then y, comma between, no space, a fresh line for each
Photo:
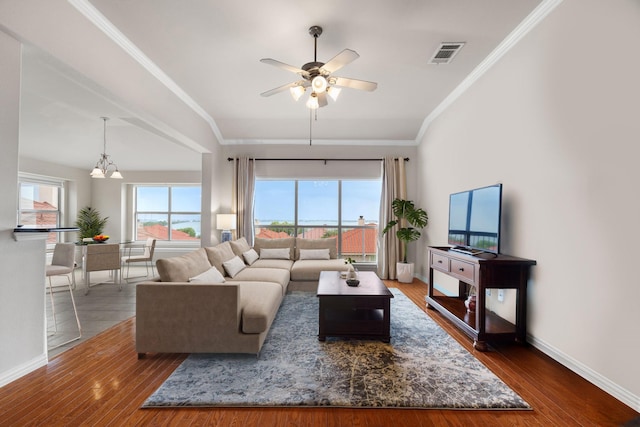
304,83
345,57
284,66
354,83
322,99
278,89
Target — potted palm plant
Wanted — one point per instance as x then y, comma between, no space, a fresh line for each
410,221
90,223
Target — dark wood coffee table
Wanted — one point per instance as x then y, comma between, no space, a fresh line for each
360,312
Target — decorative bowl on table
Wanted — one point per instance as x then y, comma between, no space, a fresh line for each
100,238
353,282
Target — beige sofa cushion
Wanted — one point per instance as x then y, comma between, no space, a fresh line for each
275,275
284,264
328,243
287,242
239,246
184,267
220,254
304,270
259,302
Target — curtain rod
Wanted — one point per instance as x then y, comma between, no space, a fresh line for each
406,159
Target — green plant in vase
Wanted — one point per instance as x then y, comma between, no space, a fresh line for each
90,222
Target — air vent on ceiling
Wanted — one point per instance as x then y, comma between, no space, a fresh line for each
446,52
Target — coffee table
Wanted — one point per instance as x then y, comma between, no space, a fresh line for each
362,311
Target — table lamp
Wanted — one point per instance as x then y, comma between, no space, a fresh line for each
226,223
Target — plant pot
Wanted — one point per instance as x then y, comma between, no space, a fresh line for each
405,272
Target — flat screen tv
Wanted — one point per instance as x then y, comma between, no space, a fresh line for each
474,219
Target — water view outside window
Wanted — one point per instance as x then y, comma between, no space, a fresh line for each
312,209
168,212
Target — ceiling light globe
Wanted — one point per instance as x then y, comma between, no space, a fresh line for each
319,84
296,92
333,92
312,103
97,173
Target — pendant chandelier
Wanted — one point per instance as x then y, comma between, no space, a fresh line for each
105,163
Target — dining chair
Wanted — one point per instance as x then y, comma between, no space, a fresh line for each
63,264
146,256
101,256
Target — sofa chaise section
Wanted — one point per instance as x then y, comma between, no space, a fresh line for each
183,317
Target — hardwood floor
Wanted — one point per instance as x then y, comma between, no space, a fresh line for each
102,382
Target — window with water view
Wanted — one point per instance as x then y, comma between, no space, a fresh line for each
168,212
312,209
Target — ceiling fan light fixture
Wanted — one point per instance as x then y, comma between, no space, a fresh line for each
312,102
319,84
333,92
297,92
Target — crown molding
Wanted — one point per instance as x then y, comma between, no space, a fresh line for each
111,31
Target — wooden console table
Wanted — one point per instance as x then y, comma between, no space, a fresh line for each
482,271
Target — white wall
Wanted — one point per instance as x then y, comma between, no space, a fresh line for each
556,121
22,332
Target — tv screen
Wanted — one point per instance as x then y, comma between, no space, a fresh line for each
474,219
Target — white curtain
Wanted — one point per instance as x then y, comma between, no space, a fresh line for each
394,186
245,188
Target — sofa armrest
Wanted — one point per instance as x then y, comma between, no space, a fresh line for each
174,316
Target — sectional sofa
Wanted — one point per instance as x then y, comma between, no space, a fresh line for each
223,299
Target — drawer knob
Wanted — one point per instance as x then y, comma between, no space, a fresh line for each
461,269
439,261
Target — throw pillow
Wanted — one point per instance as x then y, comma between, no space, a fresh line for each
212,275
234,266
274,253
250,256
314,254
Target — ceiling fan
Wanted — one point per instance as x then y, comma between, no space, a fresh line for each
318,76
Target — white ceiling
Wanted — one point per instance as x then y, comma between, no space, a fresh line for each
211,50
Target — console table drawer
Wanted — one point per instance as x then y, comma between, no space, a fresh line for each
440,262
463,270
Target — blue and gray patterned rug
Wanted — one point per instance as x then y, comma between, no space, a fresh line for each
422,367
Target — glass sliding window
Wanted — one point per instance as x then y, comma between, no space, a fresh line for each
168,212
39,205
313,209
274,209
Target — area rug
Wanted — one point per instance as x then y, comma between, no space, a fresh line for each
422,367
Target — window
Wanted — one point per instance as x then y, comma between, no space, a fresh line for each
39,204
168,212
312,209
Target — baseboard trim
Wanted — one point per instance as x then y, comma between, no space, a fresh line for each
615,390
600,381
23,369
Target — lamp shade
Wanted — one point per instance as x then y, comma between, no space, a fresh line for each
226,221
